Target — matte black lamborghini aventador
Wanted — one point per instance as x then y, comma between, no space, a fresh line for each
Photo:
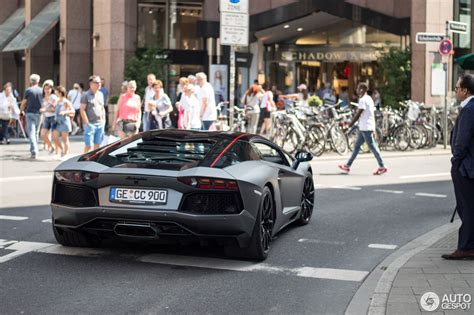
171,185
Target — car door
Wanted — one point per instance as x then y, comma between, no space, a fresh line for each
290,181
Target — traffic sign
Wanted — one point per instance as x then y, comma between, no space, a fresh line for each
445,47
422,38
234,23
457,27
234,6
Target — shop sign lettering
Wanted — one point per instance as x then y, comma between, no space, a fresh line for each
329,56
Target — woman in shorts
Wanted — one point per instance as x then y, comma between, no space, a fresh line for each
129,112
48,109
62,124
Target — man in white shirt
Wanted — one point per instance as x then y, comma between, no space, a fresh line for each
149,95
366,120
207,101
75,96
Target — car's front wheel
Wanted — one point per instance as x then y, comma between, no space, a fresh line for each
307,200
259,245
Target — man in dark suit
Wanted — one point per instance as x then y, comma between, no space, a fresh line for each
462,168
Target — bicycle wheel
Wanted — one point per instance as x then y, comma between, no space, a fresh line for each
278,136
315,140
291,142
416,140
338,140
401,138
352,137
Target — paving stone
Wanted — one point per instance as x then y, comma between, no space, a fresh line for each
410,270
402,298
441,270
410,283
401,291
449,284
419,291
459,276
405,309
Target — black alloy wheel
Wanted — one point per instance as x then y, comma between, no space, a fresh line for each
307,200
267,221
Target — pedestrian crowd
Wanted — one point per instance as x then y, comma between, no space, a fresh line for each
51,113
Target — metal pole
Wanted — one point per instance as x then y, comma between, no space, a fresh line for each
232,86
445,118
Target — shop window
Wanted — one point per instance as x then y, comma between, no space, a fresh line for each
151,25
462,13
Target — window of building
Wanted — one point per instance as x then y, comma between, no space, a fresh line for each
462,13
170,24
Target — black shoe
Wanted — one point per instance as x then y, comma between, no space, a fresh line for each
459,255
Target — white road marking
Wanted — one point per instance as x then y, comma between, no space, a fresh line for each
382,246
345,187
398,192
332,274
47,221
425,175
430,195
12,218
21,248
233,265
22,178
315,241
6,242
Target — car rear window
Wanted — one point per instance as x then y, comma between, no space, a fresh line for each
155,153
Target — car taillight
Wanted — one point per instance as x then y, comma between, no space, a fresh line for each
75,176
210,183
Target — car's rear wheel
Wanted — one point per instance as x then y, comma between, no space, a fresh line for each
70,238
260,240
307,200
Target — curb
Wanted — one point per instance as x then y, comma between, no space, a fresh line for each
371,297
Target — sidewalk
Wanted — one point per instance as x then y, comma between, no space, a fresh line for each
428,272
422,273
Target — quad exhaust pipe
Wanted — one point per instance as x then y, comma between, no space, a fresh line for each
136,230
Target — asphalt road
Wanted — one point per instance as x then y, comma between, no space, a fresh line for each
314,269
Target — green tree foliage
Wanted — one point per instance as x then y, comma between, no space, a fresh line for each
145,61
394,76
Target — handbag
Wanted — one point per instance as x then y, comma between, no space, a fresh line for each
6,116
270,105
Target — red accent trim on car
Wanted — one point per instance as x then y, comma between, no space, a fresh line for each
226,149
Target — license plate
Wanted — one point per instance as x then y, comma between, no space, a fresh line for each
141,196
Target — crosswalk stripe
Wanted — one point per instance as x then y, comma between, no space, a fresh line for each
47,221
12,218
382,246
315,241
398,192
430,195
424,175
22,178
346,187
21,248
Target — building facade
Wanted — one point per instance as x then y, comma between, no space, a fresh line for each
291,42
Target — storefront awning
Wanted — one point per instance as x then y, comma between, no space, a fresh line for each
11,26
36,29
466,62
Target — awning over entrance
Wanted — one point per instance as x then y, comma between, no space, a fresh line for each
466,62
36,29
11,26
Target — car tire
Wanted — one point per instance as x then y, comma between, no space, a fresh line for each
307,200
259,245
70,238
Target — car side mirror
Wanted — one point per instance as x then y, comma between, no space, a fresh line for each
301,156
